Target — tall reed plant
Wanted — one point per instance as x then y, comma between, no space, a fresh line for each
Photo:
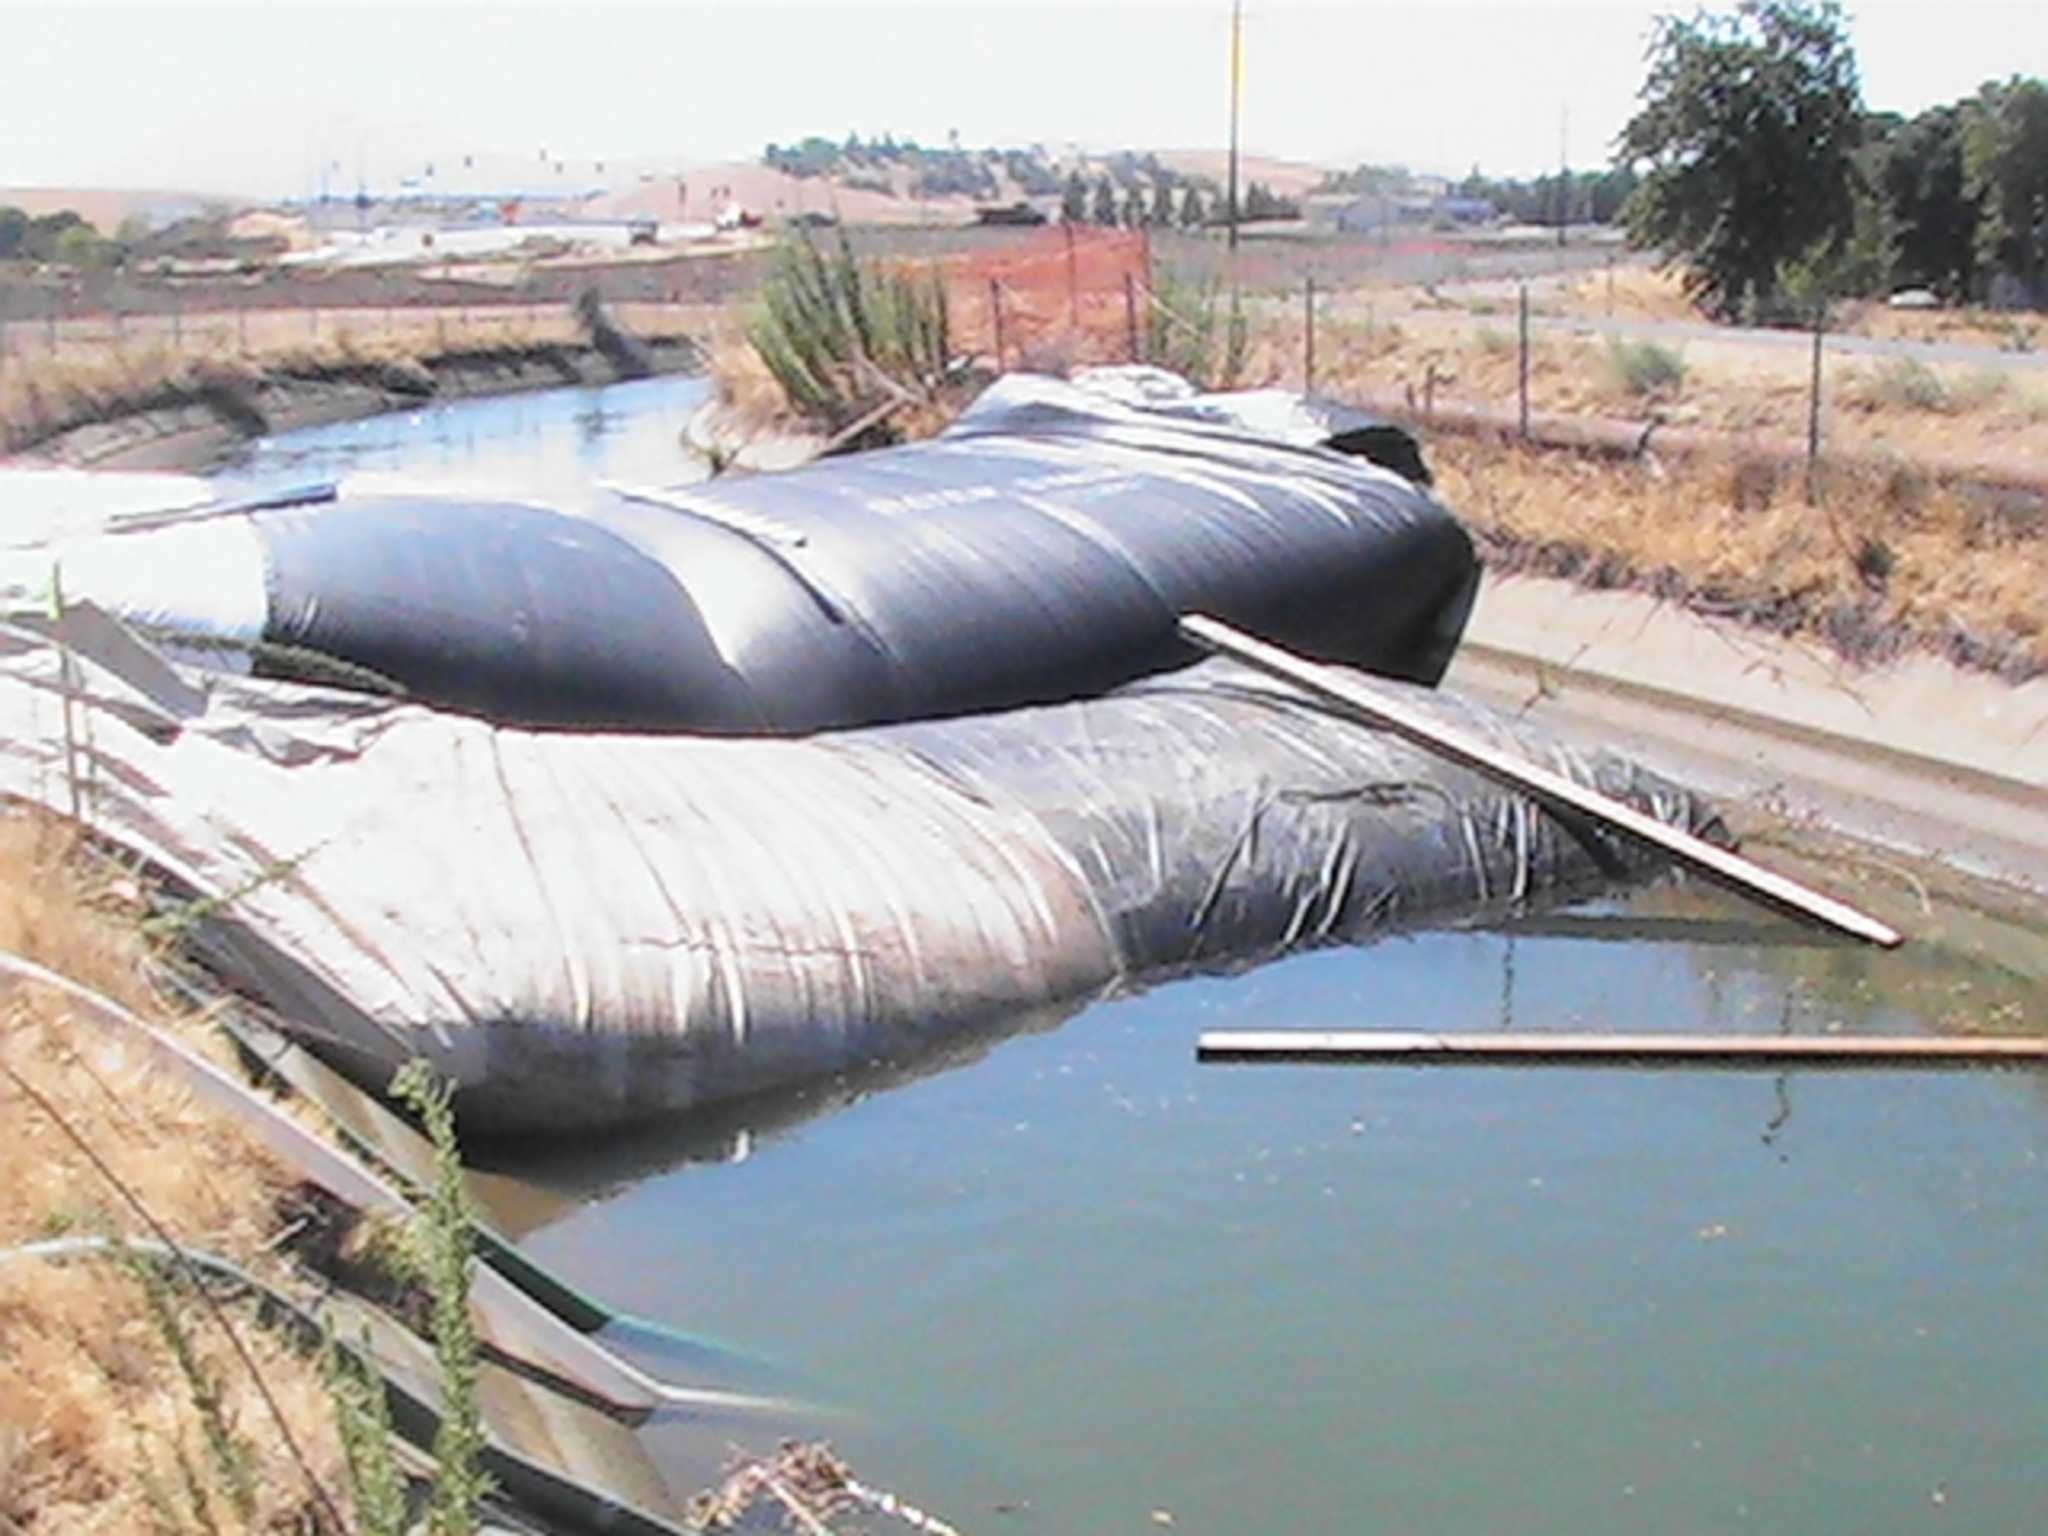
851,342
1197,330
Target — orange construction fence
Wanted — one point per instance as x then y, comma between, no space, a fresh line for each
1051,298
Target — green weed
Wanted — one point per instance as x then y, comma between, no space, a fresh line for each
1645,367
441,1243
1198,332
849,341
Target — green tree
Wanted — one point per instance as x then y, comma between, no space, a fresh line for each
1162,205
1747,137
1105,201
1931,216
1074,199
1606,193
13,230
45,233
2005,161
81,246
812,156
1193,212
1262,202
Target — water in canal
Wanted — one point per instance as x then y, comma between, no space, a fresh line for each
1077,1283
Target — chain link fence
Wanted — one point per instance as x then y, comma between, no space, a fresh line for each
269,310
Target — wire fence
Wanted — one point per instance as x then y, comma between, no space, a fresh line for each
270,332
263,311
1483,346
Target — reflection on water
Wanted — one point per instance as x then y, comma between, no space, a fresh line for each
1082,1275
549,1178
1070,1281
1781,1117
1403,1299
554,445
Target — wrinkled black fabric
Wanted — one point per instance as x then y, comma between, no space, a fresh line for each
1041,549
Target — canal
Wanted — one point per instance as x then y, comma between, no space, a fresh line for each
1070,1281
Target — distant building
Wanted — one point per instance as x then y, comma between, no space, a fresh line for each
1416,206
1467,210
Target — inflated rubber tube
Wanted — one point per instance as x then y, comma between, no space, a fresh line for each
587,931
1041,549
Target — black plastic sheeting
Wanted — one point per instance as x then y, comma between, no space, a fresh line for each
1041,549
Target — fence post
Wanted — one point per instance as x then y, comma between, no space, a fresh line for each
1308,335
1820,326
1130,317
1522,364
995,317
1073,281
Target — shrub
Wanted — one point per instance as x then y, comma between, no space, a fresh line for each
1906,383
848,340
1492,341
1645,367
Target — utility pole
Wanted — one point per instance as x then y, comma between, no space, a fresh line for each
1564,172
1236,100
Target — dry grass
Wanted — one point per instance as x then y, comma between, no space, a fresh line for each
1629,293
1460,347
1882,563
1867,405
745,386
98,1422
1885,561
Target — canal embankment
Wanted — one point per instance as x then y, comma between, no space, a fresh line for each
194,420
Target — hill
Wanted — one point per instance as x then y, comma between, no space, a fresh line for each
105,208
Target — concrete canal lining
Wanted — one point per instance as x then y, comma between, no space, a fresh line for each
1918,755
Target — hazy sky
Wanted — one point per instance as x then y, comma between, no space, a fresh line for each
260,96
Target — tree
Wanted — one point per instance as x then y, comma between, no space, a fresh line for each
81,246
1193,212
1748,132
46,233
1607,192
2005,161
1262,202
1931,216
1074,199
1105,202
1162,205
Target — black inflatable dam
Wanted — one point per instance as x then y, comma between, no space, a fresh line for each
1041,549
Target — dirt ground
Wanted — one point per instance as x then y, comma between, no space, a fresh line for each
1626,343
